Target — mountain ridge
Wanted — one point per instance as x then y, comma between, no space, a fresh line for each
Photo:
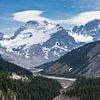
12,68
83,61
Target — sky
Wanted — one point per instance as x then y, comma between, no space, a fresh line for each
14,13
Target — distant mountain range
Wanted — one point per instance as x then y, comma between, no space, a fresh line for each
36,43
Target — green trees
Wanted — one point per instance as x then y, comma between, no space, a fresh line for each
86,89
38,88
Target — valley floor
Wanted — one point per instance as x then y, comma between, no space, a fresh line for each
65,82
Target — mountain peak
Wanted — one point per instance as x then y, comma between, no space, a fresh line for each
42,40
32,23
94,21
91,29
92,24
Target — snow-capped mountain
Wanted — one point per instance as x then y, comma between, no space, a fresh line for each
37,43
90,30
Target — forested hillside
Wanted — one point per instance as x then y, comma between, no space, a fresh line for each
38,88
85,89
83,61
12,68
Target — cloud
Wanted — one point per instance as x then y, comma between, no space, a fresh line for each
28,15
85,17
81,18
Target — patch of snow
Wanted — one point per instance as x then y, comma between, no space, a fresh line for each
70,69
57,45
98,26
1,52
56,54
81,38
27,55
46,51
